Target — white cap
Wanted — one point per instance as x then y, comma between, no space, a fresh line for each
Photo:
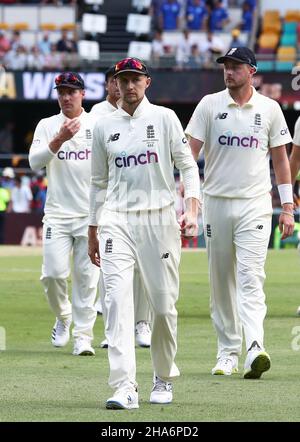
8,172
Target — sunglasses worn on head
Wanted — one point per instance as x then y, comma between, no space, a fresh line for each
129,63
67,78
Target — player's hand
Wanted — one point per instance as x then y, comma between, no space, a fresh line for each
69,129
188,225
286,221
93,246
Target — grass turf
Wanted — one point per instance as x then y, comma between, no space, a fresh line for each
41,383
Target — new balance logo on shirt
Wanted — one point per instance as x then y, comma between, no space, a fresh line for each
48,233
221,116
113,137
165,256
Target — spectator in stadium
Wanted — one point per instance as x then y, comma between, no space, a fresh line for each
66,44
15,41
38,189
218,17
142,312
196,15
62,143
183,49
21,197
247,17
44,44
238,128
4,44
158,49
54,60
8,176
169,15
236,42
35,59
195,60
16,59
138,222
210,48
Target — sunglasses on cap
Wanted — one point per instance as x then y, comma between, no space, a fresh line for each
131,65
69,79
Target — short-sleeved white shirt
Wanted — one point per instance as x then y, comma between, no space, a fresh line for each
296,139
236,143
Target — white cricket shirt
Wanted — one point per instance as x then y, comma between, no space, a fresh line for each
69,170
133,160
236,143
103,108
296,139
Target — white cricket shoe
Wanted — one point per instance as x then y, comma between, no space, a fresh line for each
298,309
124,398
104,344
162,392
257,361
143,334
226,365
82,347
61,332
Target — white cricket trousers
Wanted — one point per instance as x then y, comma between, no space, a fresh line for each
142,311
237,233
153,245
60,238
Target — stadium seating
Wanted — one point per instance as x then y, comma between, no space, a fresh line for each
292,16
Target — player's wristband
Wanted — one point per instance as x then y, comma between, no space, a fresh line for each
285,193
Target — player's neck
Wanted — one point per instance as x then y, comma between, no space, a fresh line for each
130,107
241,95
112,101
74,113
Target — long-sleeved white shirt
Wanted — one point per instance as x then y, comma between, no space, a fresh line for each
69,170
133,160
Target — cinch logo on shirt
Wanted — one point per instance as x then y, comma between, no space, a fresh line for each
135,160
235,141
73,155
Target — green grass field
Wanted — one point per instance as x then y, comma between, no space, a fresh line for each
41,383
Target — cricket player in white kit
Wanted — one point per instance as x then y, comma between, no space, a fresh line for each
133,157
142,311
62,144
295,162
239,129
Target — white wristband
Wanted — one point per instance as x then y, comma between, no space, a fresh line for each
285,193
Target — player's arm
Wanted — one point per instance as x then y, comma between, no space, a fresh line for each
184,162
196,146
283,180
43,150
67,131
295,162
98,189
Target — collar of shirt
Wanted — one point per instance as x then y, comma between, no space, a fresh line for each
230,101
81,116
144,104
